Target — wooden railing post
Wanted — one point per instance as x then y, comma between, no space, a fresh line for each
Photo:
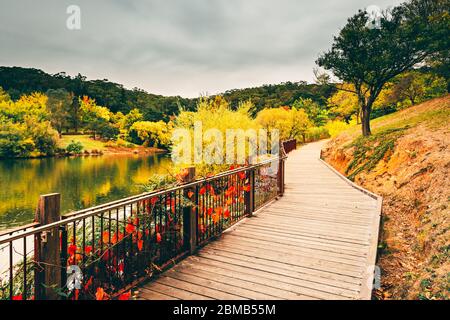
47,249
190,221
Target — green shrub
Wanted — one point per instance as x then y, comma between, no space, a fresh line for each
75,147
317,133
14,140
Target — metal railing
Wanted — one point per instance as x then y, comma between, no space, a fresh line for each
109,248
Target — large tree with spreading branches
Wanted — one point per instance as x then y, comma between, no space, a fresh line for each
368,55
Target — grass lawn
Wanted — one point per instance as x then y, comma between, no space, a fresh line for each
88,143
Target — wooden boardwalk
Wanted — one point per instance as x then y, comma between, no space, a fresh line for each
317,242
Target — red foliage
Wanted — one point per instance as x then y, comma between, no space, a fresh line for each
72,249
130,228
125,296
226,213
88,249
101,294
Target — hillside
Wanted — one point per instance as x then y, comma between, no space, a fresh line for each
407,161
17,81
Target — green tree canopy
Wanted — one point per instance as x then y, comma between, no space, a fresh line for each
369,57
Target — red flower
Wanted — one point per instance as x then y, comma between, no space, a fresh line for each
247,188
19,297
158,237
242,175
202,190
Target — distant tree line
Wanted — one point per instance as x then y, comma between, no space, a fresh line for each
17,81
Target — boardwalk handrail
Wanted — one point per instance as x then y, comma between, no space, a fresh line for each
289,145
112,246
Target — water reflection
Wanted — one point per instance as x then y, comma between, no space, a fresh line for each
82,182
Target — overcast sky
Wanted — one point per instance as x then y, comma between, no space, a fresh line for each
176,47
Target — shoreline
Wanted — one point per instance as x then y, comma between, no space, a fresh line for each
97,153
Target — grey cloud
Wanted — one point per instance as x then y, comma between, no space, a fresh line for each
176,47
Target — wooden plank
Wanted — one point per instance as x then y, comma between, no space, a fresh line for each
311,261
256,262
351,284
244,243
145,294
296,253
280,290
172,279
316,242
312,240
168,290
197,275
249,275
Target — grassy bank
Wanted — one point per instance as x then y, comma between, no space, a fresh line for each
98,146
407,161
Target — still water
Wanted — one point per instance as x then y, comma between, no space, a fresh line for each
82,182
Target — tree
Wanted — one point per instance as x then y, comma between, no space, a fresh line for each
370,57
74,115
94,117
343,104
133,116
25,128
156,134
291,123
416,87
58,104
316,113
4,96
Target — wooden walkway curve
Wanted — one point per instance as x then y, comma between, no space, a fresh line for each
317,242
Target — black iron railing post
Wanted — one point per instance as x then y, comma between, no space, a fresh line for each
281,172
64,256
47,249
249,196
190,222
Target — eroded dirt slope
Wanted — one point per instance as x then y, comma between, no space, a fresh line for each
407,161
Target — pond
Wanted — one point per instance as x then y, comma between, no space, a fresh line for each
82,181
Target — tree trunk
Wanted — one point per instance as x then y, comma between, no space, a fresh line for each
365,121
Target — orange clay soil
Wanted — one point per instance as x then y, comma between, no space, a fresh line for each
413,178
